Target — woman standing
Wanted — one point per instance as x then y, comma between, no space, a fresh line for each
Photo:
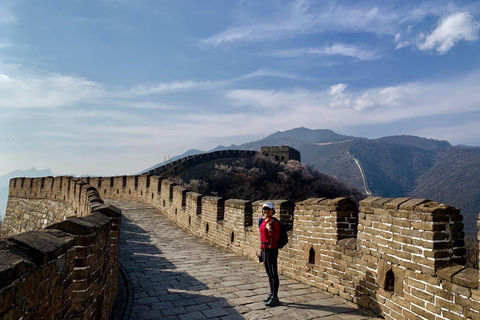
269,235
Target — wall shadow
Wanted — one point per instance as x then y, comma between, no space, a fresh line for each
158,289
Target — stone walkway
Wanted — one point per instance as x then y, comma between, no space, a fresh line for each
174,275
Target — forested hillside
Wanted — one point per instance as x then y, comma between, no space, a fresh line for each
264,178
396,166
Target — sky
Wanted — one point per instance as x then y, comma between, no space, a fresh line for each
112,87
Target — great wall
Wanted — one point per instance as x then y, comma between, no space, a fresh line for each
401,258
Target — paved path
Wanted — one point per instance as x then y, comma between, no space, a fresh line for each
174,275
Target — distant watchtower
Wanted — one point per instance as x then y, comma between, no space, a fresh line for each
282,154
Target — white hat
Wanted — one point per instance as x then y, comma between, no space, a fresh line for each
268,204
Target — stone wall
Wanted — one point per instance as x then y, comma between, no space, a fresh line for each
35,203
176,167
401,258
59,268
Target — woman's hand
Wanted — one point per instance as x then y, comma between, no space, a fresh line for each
269,227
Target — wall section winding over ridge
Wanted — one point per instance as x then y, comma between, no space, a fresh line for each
401,258
59,255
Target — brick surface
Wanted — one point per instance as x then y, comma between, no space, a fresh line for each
195,280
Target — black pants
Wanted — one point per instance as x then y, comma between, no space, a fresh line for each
270,261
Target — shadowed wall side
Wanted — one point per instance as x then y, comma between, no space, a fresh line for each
65,270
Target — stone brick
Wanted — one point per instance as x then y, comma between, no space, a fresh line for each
395,203
467,277
447,272
444,304
411,204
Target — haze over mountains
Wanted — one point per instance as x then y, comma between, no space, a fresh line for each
395,166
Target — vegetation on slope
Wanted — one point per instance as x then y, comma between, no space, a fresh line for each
264,178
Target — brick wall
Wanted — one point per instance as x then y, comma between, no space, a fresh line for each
35,203
62,268
401,258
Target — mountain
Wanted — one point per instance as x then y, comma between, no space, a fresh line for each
394,166
5,180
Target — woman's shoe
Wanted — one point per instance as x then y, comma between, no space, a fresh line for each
268,298
272,302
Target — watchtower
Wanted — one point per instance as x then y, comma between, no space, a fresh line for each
282,154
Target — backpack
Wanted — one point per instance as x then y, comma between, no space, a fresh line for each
283,240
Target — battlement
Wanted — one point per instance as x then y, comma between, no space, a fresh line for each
402,258
283,154
59,252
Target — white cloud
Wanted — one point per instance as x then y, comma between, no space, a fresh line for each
167,87
339,106
289,20
5,44
338,89
339,98
6,16
404,22
450,30
272,73
402,44
51,90
309,17
181,86
146,105
340,49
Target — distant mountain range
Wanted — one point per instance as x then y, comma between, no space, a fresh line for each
395,166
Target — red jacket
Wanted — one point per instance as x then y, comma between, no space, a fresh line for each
269,238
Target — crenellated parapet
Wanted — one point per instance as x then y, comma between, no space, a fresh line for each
47,200
59,254
401,258
178,166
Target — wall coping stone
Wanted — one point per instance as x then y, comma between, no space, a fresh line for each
194,194
342,203
213,199
12,265
379,203
395,203
435,207
412,203
468,277
237,203
76,226
180,188
41,246
368,201
311,201
447,272
109,211
98,219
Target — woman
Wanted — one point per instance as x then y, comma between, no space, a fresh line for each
269,235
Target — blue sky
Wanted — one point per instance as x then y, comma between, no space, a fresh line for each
110,87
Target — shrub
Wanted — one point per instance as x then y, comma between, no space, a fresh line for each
264,178
471,245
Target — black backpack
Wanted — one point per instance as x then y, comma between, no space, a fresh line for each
283,240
